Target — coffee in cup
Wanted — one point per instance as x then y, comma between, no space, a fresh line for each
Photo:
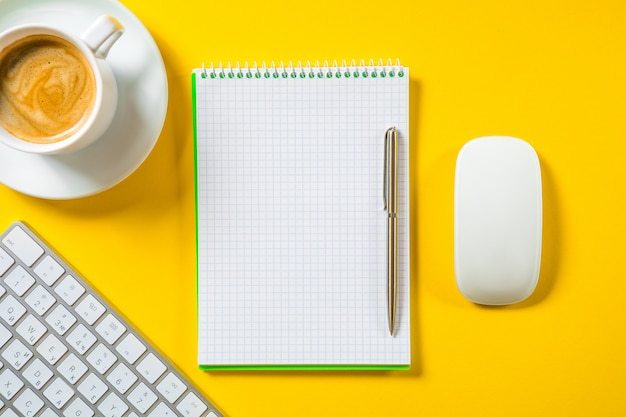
47,89
57,92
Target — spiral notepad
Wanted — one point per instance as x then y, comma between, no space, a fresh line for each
291,228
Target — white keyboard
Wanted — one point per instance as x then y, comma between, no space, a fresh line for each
64,351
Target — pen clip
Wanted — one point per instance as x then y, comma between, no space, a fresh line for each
389,142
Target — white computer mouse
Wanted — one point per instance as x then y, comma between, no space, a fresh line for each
497,220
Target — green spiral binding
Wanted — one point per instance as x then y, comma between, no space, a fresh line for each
353,71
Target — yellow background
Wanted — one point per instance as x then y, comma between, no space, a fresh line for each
551,72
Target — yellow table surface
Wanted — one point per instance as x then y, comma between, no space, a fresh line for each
548,71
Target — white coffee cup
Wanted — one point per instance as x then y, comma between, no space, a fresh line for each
37,114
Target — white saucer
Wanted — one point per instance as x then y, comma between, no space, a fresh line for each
142,85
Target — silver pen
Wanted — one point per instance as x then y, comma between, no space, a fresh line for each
390,196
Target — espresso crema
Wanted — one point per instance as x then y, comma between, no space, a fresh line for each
47,89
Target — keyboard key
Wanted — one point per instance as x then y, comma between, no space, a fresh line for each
101,358
23,246
49,270
78,408
122,378
11,310
131,348
112,406
191,406
151,368
162,410
110,328
17,354
31,329
19,280
72,368
58,393
5,261
93,388
40,300
51,349
37,373
142,398
28,403
90,309
10,384
9,413
81,339
69,289
171,387
60,319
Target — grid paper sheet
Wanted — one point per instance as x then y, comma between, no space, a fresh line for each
291,223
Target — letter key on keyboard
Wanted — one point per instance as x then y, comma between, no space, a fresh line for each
64,351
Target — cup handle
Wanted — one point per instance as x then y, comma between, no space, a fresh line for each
102,34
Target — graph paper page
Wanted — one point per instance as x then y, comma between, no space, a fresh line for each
291,226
